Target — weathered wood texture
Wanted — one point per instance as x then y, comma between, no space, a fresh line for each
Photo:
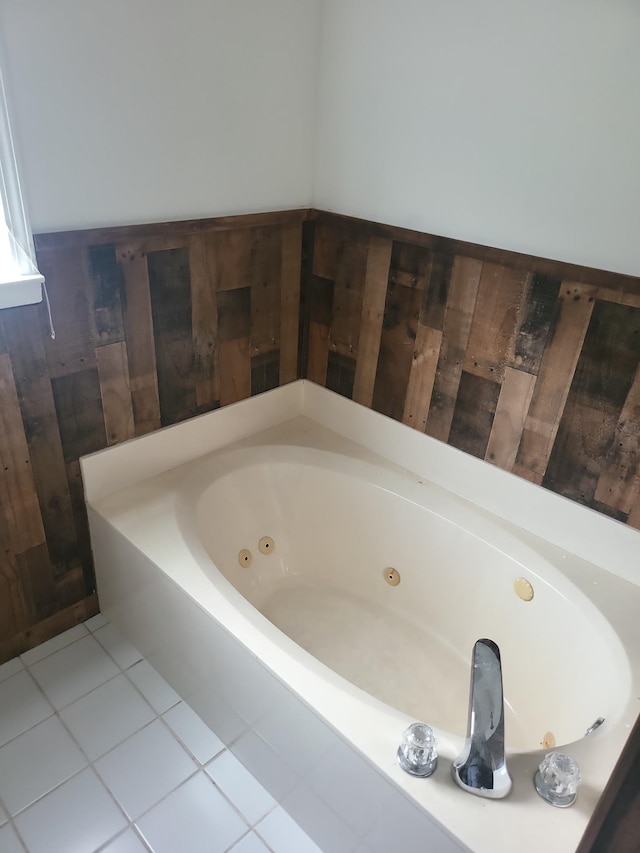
153,325
530,364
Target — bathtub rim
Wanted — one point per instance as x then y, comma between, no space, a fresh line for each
161,455
212,471
543,513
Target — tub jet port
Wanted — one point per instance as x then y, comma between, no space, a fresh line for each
244,558
266,545
392,577
523,589
548,741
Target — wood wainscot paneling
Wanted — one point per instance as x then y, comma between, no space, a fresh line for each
153,324
530,364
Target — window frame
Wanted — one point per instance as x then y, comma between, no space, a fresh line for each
21,283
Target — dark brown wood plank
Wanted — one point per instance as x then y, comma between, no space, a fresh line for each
397,346
463,290
535,319
320,297
66,274
234,326
344,332
340,374
308,239
633,519
22,328
327,246
493,327
511,414
38,582
409,265
474,414
204,322
235,370
372,315
81,581
230,258
170,289
266,269
436,291
422,377
265,372
56,624
619,482
234,314
113,373
290,302
363,229
18,495
106,293
79,412
557,367
13,607
165,230
603,379
3,343
141,354
318,353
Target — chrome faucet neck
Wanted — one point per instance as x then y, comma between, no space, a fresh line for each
481,767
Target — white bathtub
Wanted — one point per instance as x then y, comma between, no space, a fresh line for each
310,665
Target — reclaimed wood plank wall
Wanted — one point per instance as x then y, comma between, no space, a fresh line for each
153,324
530,364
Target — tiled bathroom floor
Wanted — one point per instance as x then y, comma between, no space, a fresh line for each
98,753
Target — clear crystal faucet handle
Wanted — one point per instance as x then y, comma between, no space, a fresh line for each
417,754
557,779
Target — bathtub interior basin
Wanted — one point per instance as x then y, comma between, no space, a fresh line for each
248,554
335,527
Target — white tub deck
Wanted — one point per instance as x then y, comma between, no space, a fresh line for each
155,575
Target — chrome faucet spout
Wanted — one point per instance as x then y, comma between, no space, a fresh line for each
481,767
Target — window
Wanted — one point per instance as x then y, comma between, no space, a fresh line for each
20,281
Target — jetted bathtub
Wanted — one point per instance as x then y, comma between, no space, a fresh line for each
311,595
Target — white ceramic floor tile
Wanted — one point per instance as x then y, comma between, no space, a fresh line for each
22,704
193,732
283,835
196,818
96,622
73,671
11,667
145,768
128,842
37,761
9,841
245,792
249,844
108,715
54,644
153,687
77,817
121,650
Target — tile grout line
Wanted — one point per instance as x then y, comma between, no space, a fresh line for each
199,767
